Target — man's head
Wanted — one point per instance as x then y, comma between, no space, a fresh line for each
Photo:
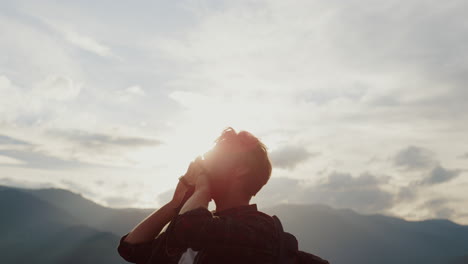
238,160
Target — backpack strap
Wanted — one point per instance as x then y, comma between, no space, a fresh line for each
279,231
288,246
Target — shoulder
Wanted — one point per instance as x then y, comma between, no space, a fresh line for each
264,226
305,257
253,228
259,219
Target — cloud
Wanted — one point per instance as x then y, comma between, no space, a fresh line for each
343,77
33,157
82,41
416,158
66,149
4,160
362,193
78,187
340,190
119,201
77,148
365,193
165,196
20,153
21,183
418,191
130,93
439,208
42,101
6,140
33,52
135,90
440,175
279,190
102,142
339,180
10,101
288,157
58,88
407,193
413,158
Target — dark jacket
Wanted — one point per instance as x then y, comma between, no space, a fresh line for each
236,235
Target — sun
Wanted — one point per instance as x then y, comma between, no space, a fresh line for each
192,132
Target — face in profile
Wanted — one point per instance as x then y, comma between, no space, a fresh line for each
219,163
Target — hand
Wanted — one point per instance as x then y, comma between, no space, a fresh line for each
191,176
193,171
201,196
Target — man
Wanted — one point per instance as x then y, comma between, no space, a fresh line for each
233,171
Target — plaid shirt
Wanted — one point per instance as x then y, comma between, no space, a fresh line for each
236,235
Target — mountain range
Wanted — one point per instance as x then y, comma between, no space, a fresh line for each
58,226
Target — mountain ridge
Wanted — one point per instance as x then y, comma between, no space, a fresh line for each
84,228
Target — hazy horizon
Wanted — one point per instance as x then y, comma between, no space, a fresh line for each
260,205
362,104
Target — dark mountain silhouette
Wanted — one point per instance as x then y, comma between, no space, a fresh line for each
88,213
35,231
343,236
58,226
459,260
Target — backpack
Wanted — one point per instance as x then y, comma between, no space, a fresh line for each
289,252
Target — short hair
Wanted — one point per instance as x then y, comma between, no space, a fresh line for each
252,153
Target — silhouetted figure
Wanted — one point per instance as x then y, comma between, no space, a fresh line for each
233,171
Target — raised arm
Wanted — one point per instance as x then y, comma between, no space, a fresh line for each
201,197
152,225
137,246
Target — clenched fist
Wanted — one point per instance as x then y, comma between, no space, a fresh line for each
194,170
191,177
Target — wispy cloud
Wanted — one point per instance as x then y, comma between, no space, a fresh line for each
363,193
99,141
439,175
79,40
5,160
289,157
414,157
6,140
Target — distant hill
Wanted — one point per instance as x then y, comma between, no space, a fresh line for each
343,236
58,226
89,213
458,260
36,231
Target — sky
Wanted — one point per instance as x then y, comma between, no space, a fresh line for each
362,104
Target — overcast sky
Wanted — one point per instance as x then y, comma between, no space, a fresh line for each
362,104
